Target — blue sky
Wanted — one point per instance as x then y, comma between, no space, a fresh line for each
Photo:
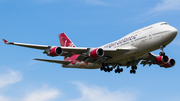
88,23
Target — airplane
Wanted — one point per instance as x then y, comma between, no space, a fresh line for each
128,51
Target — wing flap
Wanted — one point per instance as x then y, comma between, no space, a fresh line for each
75,50
54,61
148,59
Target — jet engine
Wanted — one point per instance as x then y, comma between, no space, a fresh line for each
169,64
98,52
162,60
55,51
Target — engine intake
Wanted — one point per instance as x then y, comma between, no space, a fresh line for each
161,60
98,52
170,63
55,51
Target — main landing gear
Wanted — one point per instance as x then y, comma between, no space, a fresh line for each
106,68
133,69
118,70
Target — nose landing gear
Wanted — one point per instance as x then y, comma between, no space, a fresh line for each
162,49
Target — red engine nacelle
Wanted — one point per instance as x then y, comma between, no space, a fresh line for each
98,52
161,60
55,51
169,64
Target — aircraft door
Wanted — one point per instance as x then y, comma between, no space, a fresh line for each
132,43
150,36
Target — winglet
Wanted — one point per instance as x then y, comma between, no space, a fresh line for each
5,41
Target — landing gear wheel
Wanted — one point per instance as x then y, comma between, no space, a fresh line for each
162,48
108,69
134,72
131,71
116,71
111,69
105,69
162,54
121,69
102,68
135,67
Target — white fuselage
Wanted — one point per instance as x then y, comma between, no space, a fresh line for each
139,42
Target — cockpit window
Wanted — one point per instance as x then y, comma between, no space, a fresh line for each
164,23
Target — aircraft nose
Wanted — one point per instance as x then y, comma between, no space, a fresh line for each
174,31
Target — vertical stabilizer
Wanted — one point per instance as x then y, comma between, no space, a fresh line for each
65,41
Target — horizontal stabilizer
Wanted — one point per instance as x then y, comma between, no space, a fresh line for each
54,61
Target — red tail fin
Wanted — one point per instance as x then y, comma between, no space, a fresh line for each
65,41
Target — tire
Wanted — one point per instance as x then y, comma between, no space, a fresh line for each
116,71
135,67
131,71
105,69
134,72
121,70
111,69
162,54
132,67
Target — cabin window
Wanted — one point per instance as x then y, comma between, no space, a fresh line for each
124,43
161,32
140,38
147,28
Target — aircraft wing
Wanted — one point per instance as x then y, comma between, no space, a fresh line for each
108,53
54,61
75,50
149,59
41,47
69,51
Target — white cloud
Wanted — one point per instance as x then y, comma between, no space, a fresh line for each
96,2
10,78
43,94
96,93
167,5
